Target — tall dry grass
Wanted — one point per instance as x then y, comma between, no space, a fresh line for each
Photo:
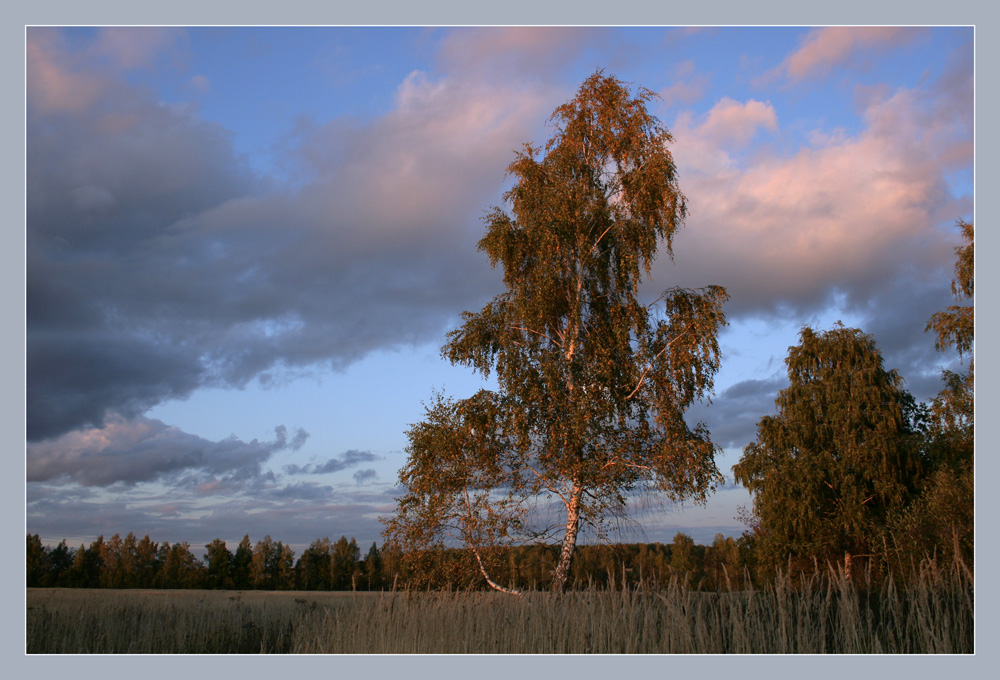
824,613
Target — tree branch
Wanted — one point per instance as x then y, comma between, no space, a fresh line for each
493,584
597,242
650,367
547,485
479,560
530,330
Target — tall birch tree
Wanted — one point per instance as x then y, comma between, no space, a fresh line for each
593,382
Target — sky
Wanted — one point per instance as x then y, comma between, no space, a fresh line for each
245,246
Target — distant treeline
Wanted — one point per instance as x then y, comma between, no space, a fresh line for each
338,565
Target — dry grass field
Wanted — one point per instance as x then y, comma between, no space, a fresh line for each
823,614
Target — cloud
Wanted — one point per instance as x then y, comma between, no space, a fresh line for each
159,263
296,514
734,123
131,48
689,86
732,417
364,476
711,146
53,84
349,459
850,214
303,491
531,51
822,49
199,85
897,317
147,450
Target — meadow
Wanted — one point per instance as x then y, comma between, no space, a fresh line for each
821,613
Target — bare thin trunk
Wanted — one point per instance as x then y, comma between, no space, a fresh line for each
569,540
493,584
573,505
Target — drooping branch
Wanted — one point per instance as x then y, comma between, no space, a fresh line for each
531,330
601,237
650,366
548,485
475,551
493,584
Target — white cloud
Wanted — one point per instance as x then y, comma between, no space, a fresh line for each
825,48
852,215
526,51
688,87
735,124
711,146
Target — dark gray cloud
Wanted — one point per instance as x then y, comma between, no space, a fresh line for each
348,459
365,476
296,514
144,450
302,491
158,263
896,316
733,415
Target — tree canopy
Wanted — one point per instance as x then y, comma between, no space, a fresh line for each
952,425
838,457
593,384
941,521
955,327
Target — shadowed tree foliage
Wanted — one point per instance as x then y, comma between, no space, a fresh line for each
722,562
242,564
373,568
941,521
146,565
219,563
47,567
37,562
952,412
179,568
314,570
614,566
272,565
839,456
86,569
683,562
344,556
115,562
593,383
285,576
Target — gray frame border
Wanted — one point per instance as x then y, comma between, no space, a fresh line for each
457,12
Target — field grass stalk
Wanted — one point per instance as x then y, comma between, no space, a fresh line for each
822,613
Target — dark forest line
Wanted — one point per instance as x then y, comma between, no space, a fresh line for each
130,562
726,564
